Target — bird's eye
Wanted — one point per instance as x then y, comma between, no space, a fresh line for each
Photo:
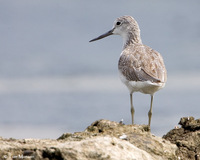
118,23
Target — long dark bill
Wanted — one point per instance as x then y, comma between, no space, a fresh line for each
103,35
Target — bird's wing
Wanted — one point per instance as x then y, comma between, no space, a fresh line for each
141,63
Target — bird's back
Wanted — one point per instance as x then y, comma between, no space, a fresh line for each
140,63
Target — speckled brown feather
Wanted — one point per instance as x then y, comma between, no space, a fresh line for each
141,63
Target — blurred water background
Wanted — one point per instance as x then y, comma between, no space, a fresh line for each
52,80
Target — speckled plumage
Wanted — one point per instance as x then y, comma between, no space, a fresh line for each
140,63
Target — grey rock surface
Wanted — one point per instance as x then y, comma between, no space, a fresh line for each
107,140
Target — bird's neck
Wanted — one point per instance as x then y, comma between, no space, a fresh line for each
131,38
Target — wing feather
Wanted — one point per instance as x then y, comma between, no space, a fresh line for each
141,63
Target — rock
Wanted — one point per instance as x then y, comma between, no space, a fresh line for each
104,148
137,135
187,138
101,148
107,140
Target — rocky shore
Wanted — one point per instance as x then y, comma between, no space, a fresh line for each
108,140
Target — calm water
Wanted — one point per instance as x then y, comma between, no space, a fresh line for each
52,80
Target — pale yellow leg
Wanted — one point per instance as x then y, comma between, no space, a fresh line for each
132,109
150,111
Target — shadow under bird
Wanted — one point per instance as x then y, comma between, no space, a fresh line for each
140,67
